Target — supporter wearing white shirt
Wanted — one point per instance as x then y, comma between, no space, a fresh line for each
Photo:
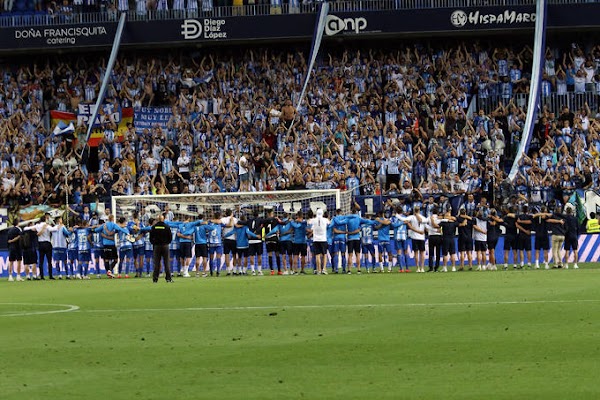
183,164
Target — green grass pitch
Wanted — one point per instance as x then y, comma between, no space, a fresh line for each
473,335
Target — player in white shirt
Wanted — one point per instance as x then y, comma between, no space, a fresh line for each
416,232
229,246
480,237
318,228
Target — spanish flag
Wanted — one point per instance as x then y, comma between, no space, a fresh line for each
126,118
57,117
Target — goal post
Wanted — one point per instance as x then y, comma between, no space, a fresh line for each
190,205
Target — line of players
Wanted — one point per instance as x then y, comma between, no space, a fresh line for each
347,242
341,243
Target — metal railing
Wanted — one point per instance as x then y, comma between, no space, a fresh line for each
206,10
554,102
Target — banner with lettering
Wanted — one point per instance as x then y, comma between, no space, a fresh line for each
149,117
108,113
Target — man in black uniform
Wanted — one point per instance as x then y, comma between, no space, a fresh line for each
493,234
557,225
510,239
542,242
448,225
272,244
524,236
571,238
255,224
465,239
15,252
160,237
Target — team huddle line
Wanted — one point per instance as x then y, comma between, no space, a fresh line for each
230,245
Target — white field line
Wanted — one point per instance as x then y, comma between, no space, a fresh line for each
337,306
65,308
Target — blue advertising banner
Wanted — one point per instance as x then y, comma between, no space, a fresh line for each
149,117
297,26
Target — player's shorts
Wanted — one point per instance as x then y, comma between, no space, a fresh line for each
353,246
339,246
319,248
400,245
571,243
255,249
542,243
285,247
523,242
59,254
138,251
418,245
465,245
29,257
492,243
243,252
510,242
384,247
215,250
299,249
15,254
148,253
109,253
185,249
174,254
368,248
448,246
480,245
272,247
97,253
229,246
201,250
126,252
84,256
72,254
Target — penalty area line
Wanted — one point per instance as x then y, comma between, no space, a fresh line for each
340,306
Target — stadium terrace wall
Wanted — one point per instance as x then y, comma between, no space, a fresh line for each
367,24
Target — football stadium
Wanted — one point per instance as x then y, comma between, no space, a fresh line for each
285,199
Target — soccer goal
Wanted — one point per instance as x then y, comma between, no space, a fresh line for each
184,205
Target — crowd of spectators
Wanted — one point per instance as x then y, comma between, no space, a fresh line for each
377,122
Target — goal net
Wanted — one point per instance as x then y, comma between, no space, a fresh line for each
184,205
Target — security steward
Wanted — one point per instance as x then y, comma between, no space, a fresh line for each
160,237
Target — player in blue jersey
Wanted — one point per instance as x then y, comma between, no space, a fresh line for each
72,255
386,256
242,244
185,233
174,247
96,243
299,243
125,241
284,231
109,250
84,246
201,249
143,234
353,229
215,242
400,240
367,239
138,246
339,231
